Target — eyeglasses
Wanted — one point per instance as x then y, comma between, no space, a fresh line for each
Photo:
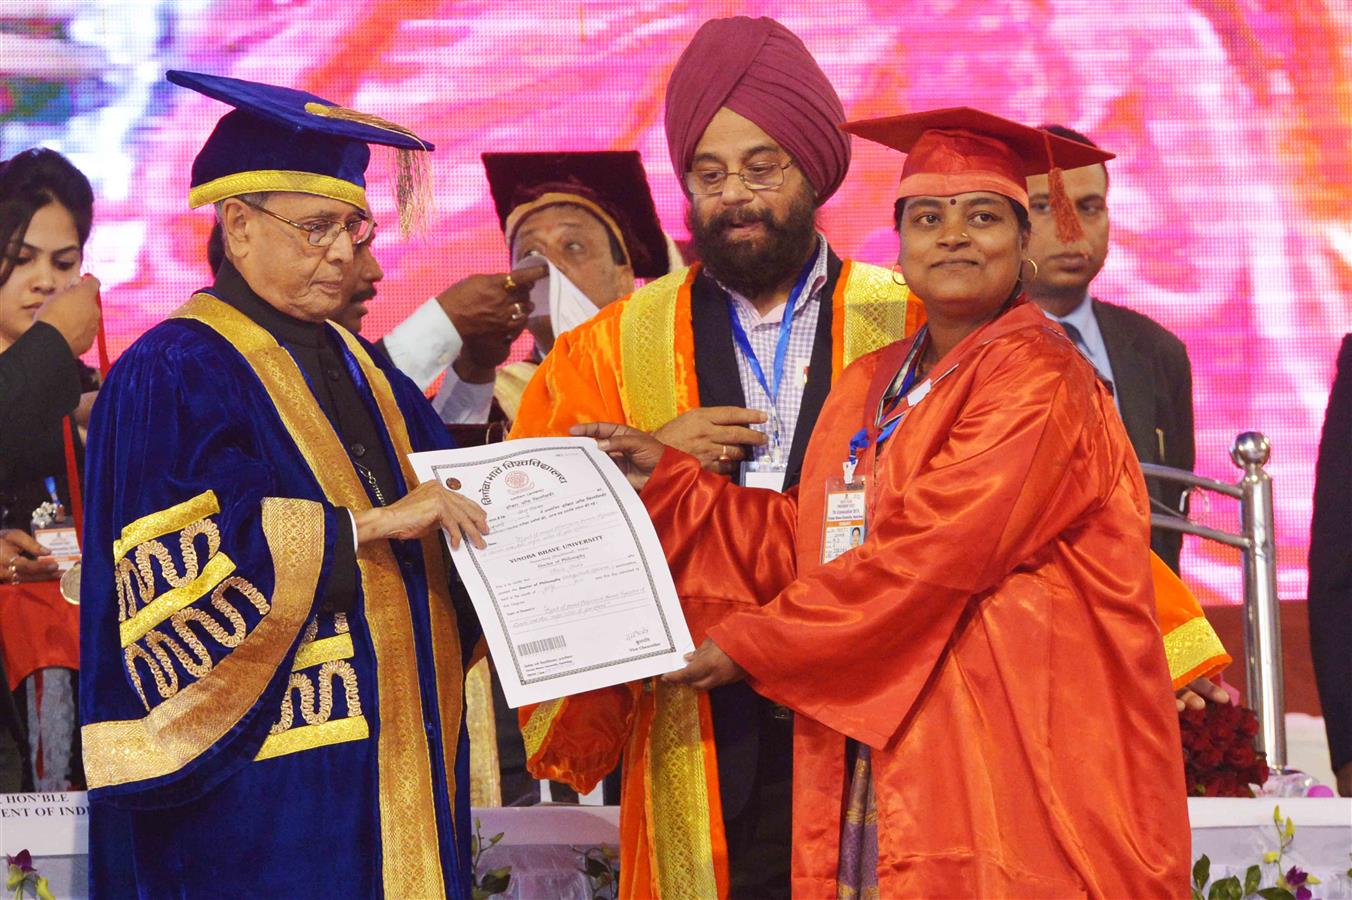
757,177
324,233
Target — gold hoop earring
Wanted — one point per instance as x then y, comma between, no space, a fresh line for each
1032,262
896,270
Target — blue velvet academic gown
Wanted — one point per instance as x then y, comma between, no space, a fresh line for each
243,734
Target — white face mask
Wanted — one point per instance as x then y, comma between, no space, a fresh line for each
567,306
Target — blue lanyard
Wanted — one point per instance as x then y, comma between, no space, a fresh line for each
910,371
781,347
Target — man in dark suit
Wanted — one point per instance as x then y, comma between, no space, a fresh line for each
1331,571
1145,365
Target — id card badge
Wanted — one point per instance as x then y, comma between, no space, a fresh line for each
762,473
845,517
63,542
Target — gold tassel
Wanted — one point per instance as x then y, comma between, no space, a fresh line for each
413,184
351,115
412,191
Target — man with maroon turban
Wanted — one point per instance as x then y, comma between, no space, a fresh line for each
752,335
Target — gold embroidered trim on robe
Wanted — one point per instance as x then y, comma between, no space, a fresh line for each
166,521
1193,650
320,728
308,737
217,569
679,797
648,379
183,605
410,847
182,727
445,632
876,310
485,772
510,385
323,650
536,729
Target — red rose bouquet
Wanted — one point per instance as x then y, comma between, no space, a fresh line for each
1219,759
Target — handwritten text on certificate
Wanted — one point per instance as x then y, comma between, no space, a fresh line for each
573,591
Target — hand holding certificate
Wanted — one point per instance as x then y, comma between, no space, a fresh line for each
572,589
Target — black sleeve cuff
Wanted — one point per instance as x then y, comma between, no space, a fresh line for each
340,589
43,372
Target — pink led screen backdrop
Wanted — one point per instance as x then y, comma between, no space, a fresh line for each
1230,118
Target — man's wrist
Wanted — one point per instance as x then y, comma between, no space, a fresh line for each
471,372
367,524
444,300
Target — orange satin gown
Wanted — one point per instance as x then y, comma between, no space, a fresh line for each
994,640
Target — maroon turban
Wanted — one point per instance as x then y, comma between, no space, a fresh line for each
758,69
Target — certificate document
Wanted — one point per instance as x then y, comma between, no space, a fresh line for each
573,590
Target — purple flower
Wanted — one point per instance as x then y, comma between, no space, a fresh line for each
24,861
1295,882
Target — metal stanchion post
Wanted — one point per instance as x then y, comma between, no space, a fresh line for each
1262,615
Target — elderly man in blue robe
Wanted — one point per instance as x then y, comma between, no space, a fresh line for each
273,649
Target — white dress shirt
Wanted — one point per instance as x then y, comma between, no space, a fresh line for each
422,347
763,334
424,344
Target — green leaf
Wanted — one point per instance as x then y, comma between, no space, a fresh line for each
495,883
1277,815
1276,893
1197,895
1225,889
1201,871
1253,877
495,838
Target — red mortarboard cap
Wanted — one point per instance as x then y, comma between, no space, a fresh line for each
611,184
957,150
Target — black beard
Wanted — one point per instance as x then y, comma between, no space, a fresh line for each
754,268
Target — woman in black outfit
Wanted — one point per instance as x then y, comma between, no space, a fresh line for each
47,317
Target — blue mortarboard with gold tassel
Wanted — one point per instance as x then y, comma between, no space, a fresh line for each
282,139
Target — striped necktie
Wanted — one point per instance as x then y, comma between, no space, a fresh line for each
1078,340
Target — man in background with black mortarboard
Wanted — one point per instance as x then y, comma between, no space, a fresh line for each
273,662
586,221
590,216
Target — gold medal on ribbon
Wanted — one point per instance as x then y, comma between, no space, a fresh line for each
70,584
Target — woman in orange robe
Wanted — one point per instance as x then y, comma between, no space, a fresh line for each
983,703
